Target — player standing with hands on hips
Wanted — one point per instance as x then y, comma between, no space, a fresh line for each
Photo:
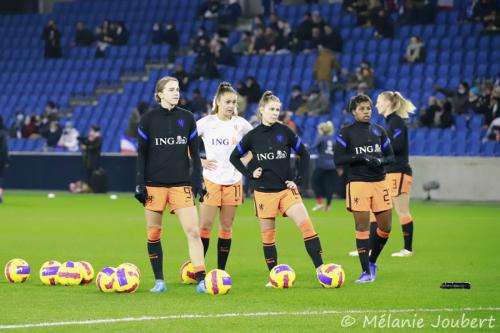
364,149
275,188
220,132
167,139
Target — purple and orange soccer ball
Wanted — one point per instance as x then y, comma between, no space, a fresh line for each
282,276
331,275
17,271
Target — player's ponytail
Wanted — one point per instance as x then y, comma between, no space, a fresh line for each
224,87
160,85
397,104
267,97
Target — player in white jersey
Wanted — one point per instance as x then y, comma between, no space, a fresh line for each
221,131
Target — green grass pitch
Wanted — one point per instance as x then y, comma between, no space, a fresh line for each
453,242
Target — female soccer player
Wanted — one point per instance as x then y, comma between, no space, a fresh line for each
220,132
275,188
395,108
167,135
364,149
324,174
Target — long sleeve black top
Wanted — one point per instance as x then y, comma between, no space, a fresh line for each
358,140
271,147
167,140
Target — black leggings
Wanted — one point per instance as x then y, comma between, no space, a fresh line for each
324,183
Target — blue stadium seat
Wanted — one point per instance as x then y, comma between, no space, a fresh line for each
460,123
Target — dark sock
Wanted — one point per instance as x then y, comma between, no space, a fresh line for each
271,255
362,247
156,257
313,247
373,231
206,242
378,245
200,276
408,235
223,247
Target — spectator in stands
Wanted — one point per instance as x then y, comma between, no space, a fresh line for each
492,23
52,135
4,155
259,42
134,118
224,55
69,138
358,8
364,78
316,38
101,43
229,14
157,34
205,65
52,37
242,100
199,103
296,99
17,124
209,9
332,39
457,97
383,24
91,151
482,9
83,36
436,115
30,128
294,44
51,111
286,119
316,103
415,52
474,102
183,77
317,21
325,64
121,34
184,103
271,38
243,45
253,90
304,30
418,12
171,38
200,41
493,132
493,110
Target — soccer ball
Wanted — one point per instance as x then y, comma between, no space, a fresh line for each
132,266
331,275
105,280
70,273
218,282
282,276
48,272
17,271
87,272
127,280
187,273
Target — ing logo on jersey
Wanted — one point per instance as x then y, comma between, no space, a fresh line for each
368,149
179,140
279,155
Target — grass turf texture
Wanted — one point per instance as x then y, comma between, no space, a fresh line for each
453,242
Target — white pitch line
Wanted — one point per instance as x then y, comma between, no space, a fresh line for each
248,314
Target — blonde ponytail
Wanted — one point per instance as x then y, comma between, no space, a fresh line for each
397,104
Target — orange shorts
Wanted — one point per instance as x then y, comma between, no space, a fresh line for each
177,197
269,205
398,183
368,196
223,195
